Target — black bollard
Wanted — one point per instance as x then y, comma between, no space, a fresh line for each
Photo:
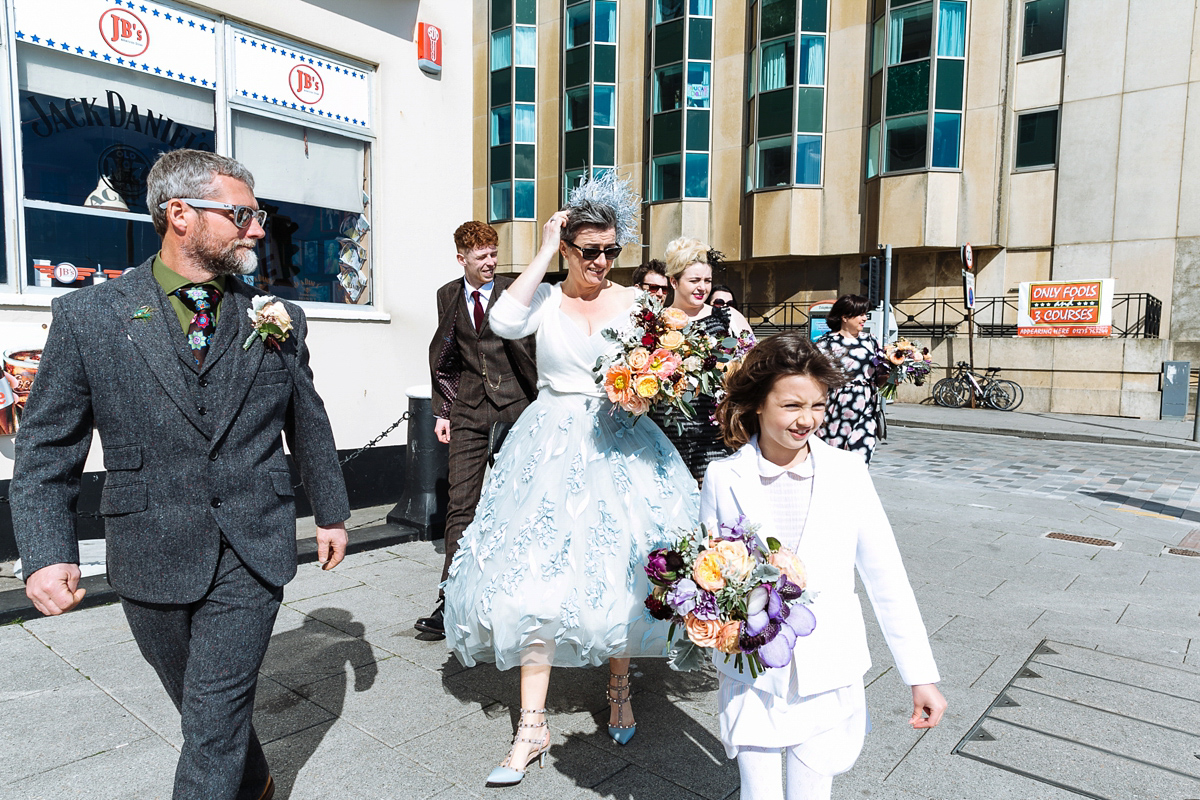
426,472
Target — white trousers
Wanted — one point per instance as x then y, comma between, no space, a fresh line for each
761,770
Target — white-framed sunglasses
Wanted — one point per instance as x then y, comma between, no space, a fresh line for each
241,214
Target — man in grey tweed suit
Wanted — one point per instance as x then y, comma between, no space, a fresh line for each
198,502
479,379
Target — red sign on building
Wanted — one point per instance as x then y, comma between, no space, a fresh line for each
124,32
429,48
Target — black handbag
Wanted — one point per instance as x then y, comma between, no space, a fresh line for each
496,440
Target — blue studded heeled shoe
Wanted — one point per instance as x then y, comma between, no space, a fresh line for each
621,734
506,774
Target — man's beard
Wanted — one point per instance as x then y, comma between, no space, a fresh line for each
234,258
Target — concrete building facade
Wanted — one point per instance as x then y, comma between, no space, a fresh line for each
796,136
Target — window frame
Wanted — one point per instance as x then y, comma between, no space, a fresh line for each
1057,139
512,104
1049,53
931,109
754,62
685,62
568,178
225,104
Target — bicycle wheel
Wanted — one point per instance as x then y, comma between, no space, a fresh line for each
950,392
1000,397
1017,392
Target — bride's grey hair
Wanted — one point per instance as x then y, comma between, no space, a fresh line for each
604,202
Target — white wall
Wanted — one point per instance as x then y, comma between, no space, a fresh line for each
421,191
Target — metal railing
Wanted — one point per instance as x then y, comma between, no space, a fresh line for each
1135,316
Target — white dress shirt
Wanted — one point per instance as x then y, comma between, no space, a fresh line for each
485,295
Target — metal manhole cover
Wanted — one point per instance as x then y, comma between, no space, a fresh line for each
1098,725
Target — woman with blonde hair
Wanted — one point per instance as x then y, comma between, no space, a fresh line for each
690,265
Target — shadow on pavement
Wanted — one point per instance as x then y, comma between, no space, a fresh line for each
314,649
675,750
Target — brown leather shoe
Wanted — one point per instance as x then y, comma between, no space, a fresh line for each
268,790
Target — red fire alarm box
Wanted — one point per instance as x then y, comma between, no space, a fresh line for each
429,48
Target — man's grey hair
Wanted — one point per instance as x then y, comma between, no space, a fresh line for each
188,173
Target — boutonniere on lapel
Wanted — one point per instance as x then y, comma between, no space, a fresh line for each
142,313
271,322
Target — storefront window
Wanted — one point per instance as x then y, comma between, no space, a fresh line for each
98,104
88,139
311,182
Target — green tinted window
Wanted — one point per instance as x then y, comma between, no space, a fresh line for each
908,88
778,18
577,67
605,70
809,107
774,113
949,93
697,130
668,43
667,133
1037,139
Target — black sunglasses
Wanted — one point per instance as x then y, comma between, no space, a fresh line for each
592,253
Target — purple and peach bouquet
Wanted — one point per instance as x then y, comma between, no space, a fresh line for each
731,593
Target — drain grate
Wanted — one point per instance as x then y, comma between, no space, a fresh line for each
1070,537
1179,551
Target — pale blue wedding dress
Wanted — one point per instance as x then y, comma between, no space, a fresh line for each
550,570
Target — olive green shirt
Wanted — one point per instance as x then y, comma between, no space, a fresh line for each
170,280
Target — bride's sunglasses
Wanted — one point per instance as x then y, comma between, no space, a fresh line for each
592,253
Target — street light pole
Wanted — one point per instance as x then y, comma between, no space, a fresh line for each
1196,421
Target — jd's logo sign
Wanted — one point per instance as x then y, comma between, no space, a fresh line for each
124,32
306,84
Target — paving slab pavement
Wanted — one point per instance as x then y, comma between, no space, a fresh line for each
1043,425
353,703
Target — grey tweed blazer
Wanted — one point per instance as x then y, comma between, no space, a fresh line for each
190,456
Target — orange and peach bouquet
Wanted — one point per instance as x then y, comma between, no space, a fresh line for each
734,593
661,359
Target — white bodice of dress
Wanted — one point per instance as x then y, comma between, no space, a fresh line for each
566,356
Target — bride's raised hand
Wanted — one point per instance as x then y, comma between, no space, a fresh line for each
552,230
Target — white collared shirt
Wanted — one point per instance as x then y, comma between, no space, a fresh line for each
485,295
789,495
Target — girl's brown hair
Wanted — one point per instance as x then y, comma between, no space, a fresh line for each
746,389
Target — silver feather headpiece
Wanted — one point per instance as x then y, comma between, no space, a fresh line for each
617,193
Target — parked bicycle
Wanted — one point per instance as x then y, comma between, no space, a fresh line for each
988,390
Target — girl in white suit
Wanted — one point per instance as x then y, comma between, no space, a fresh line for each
818,501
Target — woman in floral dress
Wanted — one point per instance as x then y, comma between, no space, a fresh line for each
850,414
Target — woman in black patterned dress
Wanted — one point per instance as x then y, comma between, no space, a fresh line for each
689,269
850,414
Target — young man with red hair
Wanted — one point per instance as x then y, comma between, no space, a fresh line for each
479,379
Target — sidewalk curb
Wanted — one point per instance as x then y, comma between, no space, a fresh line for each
1046,435
15,606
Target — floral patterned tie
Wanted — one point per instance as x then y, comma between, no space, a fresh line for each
201,299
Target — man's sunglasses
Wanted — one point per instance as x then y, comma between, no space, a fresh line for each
653,287
592,253
241,214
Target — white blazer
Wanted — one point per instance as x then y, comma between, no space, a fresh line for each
846,528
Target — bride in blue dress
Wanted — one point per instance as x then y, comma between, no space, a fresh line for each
549,573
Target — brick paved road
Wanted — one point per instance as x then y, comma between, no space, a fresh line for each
1155,480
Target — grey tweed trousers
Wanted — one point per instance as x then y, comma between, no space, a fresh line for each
207,655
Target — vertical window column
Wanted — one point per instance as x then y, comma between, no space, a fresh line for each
917,90
590,86
512,123
681,101
789,114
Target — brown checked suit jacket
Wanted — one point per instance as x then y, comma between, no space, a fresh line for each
467,367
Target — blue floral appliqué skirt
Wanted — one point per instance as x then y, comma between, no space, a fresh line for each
550,570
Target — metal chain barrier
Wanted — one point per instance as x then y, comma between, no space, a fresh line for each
403,418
